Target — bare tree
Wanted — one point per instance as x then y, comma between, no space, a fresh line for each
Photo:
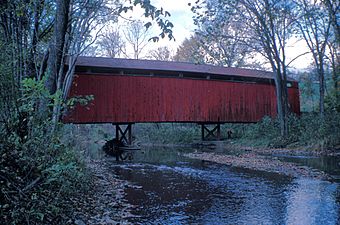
161,53
220,36
90,51
137,36
111,43
333,8
334,59
314,26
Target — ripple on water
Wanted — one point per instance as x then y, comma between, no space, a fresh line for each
312,202
189,192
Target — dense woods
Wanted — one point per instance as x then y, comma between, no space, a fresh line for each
39,169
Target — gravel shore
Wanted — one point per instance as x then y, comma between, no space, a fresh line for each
258,162
105,203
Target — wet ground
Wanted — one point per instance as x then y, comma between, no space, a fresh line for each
169,188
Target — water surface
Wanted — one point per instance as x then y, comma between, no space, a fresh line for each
169,188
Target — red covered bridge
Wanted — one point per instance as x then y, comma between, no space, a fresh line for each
130,91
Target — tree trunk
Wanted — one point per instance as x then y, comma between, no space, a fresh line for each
336,80
321,89
285,100
32,69
335,64
334,19
57,45
280,103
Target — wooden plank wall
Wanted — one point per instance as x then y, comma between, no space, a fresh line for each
122,99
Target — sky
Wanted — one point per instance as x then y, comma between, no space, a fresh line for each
181,17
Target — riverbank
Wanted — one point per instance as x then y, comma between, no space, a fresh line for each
105,203
233,145
258,162
256,158
297,150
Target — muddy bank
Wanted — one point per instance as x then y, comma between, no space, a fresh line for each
258,162
104,203
299,150
232,145
166,145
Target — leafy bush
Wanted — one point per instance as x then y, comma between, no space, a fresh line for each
38,173
168,133
307,130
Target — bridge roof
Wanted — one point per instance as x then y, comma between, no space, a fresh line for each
170,66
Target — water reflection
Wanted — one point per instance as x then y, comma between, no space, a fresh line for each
312,202
329,164
172,189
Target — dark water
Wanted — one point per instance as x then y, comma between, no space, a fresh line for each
169,188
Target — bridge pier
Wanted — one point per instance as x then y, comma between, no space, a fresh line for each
207,132
124,135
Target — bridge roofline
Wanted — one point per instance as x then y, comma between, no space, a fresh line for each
171,66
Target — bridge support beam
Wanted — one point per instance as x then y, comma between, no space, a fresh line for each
124,134
210,133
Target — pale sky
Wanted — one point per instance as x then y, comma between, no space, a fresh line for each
181,17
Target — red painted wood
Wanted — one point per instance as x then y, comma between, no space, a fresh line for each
122,99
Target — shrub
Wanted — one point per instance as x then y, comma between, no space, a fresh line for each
38,172
308,129
168,133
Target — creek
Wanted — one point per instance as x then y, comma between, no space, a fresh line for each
169,188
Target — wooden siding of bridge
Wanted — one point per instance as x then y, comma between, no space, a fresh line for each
123,99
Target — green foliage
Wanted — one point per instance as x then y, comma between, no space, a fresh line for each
168,133
82,100
309,91
38,173
332,101
307,130
158,15
267,127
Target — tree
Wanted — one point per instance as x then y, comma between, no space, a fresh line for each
137,36
269,25
90,51
62,30
190,51
220,37
334,59
314,26
24,28
333,8
307,81
161,53
111,43
56,49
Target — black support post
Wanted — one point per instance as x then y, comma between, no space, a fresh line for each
214,133
124,135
